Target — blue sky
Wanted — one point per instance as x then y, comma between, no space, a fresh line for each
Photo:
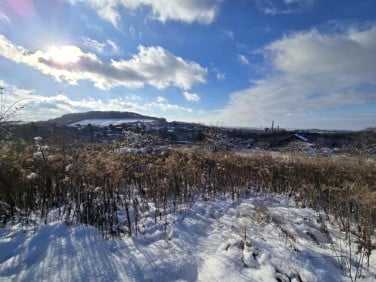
301,63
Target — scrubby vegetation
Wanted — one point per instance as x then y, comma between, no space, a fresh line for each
120,193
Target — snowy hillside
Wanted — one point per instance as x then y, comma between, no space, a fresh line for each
255,239
113,121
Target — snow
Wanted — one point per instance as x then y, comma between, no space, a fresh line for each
37,139
68,167
262,238
107,122
142,150
38,154
32,175
301,137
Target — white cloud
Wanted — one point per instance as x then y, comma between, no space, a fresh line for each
243,59
151,65
107,46
191,97
38,107
134,34
112,45
275,7
161,99
312,53
94,44
312,73
188,11
219,75
4,18
229,33
163,105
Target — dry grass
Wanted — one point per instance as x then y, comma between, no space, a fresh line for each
98,181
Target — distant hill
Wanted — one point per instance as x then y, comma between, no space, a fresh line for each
76,117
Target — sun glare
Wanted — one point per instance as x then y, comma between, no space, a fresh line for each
63,54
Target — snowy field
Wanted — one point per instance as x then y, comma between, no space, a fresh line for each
256,239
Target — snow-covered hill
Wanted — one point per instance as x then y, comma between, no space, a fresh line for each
113,121
265,238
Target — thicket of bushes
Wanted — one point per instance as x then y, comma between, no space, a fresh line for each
117,192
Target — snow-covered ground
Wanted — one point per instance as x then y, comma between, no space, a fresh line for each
257,239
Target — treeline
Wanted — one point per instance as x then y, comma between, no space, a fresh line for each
121,193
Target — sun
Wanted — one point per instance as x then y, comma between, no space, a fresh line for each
63,55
